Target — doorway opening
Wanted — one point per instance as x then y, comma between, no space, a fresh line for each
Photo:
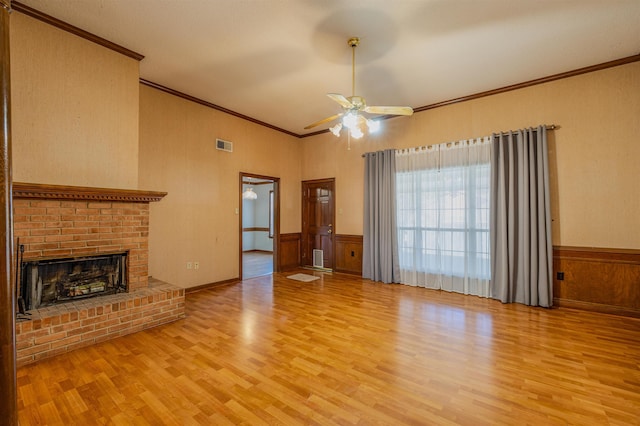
318,217
259,224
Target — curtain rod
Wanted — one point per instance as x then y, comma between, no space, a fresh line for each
548,126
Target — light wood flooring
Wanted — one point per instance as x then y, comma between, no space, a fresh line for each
343,350
256,264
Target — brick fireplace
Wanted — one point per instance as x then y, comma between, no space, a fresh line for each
65,222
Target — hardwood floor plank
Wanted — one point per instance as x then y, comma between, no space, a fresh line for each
346,351
256,264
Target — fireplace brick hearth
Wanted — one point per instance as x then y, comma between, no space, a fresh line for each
53,221
54,330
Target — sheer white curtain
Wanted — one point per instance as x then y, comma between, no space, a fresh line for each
442,195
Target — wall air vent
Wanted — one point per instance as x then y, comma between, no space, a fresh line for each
318,259
224,145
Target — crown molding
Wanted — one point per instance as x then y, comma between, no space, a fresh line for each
214,106
48,19
548,79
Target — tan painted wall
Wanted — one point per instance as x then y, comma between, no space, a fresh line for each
594,156
197,220
74,109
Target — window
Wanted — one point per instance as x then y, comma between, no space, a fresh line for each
442,214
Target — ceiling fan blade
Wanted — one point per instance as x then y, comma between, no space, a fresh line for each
390,110
341,100
324,120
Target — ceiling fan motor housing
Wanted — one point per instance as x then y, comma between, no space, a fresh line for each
357,102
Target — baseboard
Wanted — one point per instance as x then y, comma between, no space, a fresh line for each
317,268
596,307
211,285
349,272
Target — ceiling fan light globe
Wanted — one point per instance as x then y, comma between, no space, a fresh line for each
350,120
336,129
356,133
373,125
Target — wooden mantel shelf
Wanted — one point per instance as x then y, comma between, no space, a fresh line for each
57,192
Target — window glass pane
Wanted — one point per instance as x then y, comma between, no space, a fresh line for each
443,220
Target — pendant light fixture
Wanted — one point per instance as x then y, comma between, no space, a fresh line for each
248,194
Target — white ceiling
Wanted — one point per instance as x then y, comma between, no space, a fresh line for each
275,60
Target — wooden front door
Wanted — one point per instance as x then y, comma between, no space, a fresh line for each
318,217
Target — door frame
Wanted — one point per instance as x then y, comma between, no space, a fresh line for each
276,218
333,221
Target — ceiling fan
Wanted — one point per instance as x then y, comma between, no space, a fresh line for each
353,105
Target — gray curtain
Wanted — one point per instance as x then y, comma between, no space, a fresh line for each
521,250
380,240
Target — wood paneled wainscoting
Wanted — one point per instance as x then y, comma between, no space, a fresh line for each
597,279
289,255
349,254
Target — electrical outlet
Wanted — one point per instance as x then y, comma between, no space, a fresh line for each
189,265
196,265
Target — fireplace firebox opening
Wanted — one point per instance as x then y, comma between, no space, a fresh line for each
48,281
